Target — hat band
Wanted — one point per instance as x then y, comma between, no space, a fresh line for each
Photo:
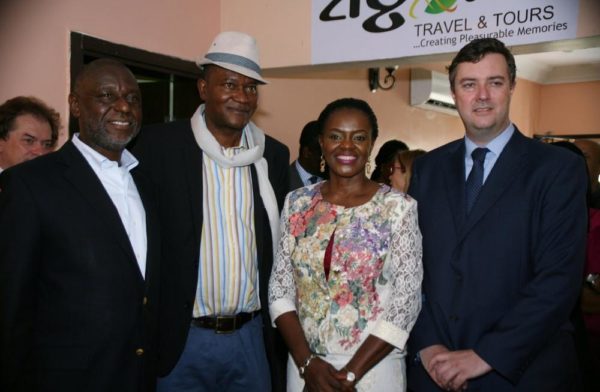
235,60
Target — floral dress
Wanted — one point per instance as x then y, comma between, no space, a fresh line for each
374,283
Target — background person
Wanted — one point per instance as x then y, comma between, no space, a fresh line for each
588,329
591,151
401,170
590,300
306,169
385,160
345,288
28,128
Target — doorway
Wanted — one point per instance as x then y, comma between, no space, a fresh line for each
167,84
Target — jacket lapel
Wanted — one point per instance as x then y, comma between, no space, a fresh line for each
508,165
259,216
192,155
454,180
84,180
148,196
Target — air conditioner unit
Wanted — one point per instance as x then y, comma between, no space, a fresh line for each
431,90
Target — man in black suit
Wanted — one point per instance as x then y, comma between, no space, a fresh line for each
503,219
79,252
306,169
222,183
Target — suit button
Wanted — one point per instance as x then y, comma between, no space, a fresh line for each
145,301
139,352
453,317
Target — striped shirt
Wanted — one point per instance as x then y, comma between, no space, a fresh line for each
228,268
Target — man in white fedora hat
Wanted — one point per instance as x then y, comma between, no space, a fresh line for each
222,183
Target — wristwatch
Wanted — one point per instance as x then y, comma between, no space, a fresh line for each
350,376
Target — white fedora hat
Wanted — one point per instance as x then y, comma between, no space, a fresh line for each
236,52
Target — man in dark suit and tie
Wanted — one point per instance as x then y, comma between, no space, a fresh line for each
222,183
79,252
306,169
503,219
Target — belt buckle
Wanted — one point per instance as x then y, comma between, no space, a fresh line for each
221,330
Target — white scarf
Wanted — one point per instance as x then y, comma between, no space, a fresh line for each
254,155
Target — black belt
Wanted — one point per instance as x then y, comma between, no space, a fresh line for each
224,324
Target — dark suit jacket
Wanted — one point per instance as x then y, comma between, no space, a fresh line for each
503,280
170,154
74,307
295,180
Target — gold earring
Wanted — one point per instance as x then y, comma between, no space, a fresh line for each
322,165
368,167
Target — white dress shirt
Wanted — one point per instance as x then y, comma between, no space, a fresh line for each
495,147
305,176
118,183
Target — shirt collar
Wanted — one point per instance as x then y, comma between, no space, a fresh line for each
128,161
496,145
304,175
243,145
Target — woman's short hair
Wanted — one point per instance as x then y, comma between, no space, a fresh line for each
349,103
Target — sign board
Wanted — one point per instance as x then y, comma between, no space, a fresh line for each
362,30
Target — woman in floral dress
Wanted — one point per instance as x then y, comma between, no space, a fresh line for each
345,289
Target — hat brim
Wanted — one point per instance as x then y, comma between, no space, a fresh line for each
232,67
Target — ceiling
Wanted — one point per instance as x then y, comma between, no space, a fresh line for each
565,66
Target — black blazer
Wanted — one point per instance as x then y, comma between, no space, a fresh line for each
503,280
295,180
170,155
75,312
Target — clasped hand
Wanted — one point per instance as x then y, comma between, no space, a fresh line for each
321,376
451,370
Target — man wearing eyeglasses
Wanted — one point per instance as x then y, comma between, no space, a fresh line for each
28,129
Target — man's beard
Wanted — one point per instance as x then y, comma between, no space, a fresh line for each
100,137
